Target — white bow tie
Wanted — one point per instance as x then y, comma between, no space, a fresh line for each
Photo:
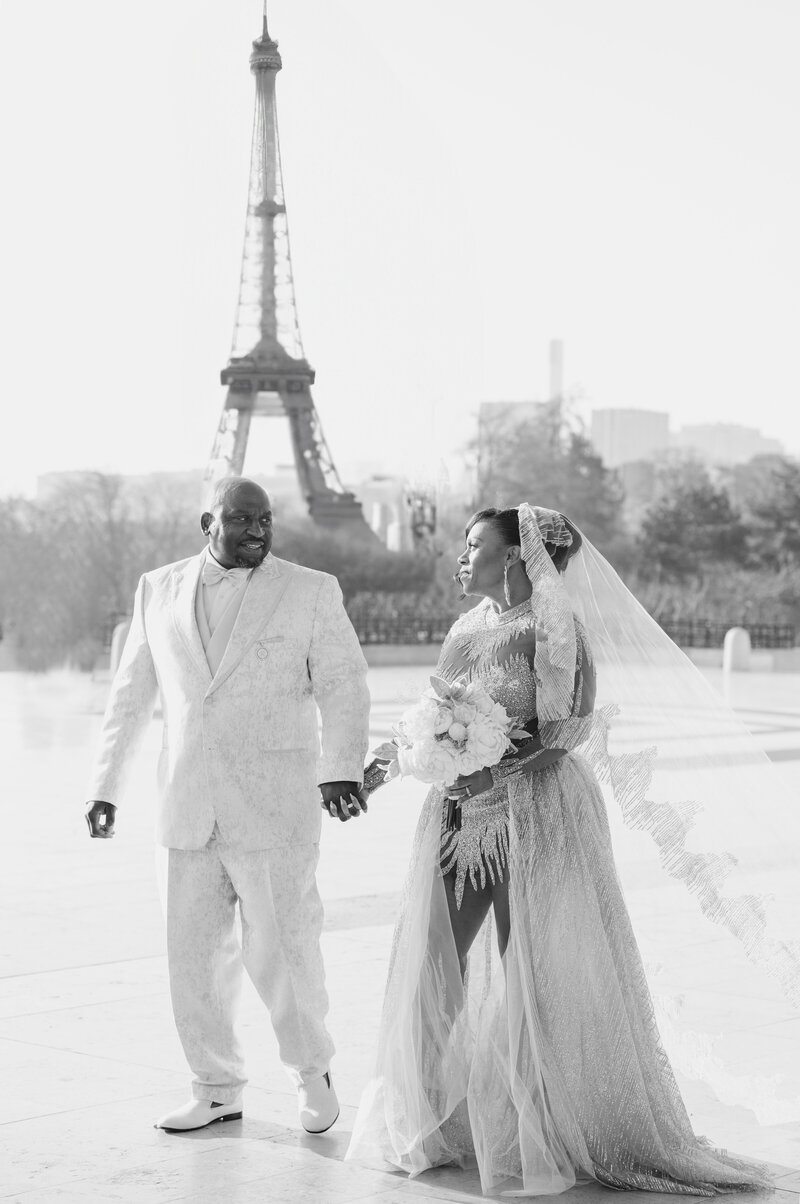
213,573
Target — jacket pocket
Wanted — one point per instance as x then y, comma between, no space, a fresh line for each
268,644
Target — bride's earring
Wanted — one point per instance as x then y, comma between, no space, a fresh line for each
506,591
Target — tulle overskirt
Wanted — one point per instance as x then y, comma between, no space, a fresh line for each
543,1068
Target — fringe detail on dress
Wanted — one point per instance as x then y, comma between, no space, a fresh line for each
480,846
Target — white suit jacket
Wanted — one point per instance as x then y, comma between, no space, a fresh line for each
240,748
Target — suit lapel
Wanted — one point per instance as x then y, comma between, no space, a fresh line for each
264,591
183,614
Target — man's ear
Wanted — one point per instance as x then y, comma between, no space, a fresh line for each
206,520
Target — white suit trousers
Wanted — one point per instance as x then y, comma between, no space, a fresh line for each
281,914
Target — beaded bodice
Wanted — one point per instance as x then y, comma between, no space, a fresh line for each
497,650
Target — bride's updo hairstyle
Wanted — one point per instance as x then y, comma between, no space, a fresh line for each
507,523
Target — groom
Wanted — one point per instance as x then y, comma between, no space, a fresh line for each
241,646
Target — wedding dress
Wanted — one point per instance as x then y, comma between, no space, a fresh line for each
544,1067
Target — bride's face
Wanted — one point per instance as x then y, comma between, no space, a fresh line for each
481,566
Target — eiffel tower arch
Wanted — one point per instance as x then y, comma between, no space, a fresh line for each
268,374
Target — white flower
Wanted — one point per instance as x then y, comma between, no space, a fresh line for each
419,722
443,720
487,742
499,716
429,761
442,737
467,762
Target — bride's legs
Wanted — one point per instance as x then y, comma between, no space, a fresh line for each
466,920
502,912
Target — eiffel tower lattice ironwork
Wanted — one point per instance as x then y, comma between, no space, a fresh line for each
267,373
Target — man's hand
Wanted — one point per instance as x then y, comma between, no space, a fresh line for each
100,818
343,800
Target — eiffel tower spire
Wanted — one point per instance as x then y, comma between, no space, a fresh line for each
268,374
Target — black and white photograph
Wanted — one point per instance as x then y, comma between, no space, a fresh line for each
400,601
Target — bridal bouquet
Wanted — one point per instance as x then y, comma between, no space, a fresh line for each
455,728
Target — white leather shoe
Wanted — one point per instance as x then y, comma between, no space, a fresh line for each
198,1113
317,1104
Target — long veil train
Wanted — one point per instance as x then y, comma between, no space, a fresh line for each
706,844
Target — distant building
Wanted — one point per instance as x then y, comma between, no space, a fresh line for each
629,436
382,498
725,442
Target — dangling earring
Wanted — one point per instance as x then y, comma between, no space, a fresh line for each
506,590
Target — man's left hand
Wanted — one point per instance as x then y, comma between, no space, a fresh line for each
343,800
468,785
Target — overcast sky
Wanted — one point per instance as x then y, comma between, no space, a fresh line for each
464,182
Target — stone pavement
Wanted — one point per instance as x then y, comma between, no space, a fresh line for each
88,1050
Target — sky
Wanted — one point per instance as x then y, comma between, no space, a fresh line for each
464,182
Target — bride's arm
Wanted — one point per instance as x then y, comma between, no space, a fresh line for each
531,757
374,776
535,755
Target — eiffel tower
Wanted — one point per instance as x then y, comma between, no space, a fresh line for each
267,373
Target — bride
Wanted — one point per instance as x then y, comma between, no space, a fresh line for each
533,1051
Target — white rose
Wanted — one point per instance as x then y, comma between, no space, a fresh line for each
419,722
457,732
464,712
487,742
443,720
483,704
434,763
467,762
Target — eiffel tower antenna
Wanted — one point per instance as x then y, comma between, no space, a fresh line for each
267,374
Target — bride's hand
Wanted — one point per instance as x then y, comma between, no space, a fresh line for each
468,785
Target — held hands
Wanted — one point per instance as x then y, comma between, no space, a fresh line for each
100,818
343,800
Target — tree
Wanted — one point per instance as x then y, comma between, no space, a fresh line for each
691,530
72,561
769,488
358,565
548,461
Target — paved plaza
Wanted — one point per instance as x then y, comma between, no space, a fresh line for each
89,1054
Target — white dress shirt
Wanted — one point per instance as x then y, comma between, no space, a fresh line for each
218,595
217,606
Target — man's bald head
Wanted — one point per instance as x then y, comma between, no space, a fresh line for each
238,523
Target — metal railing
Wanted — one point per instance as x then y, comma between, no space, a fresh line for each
424,629
377,630
688,633
702,633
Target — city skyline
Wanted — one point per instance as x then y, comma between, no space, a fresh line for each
630,435
445,222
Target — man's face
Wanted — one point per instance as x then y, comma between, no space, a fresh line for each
239,529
